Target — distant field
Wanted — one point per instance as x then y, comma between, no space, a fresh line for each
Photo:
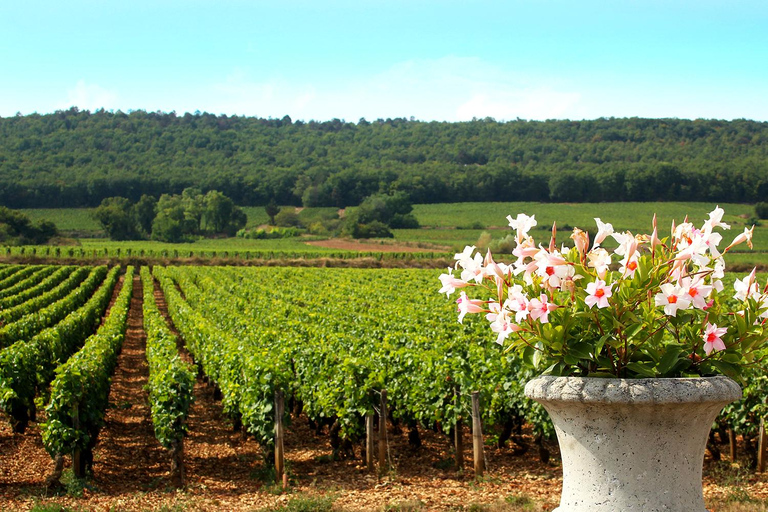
257,216
440,221
67,219
632,216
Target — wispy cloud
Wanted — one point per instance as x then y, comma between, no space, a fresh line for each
90,97
450,88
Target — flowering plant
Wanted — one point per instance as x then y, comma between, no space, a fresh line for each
650,308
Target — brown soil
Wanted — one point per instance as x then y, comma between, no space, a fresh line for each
132,470
358,245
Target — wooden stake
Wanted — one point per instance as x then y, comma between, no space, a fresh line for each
279,455
383,433
457,431
732,441
762,447
477,435
369,442
77,466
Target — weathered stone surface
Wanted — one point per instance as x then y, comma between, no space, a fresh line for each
632,444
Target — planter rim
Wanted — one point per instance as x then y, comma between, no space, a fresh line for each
547,388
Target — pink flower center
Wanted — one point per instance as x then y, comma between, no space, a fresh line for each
550,271
672,299
632,265
711,337
693,292
599,293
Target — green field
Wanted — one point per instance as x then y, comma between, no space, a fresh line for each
67,219
450,225
635,217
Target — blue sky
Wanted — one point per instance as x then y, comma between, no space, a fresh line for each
433,60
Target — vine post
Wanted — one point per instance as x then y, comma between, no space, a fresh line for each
477,435
369,442
732,443
762,447
279,453
383,433
457,431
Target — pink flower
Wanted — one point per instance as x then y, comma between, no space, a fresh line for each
598,294
501,323
518,303
467,305
580,240
450,283
672,298
540,308
712,339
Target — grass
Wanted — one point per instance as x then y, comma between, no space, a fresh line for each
632,216
66,219
305,504
258,216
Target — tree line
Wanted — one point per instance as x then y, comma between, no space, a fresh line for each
172,218
77,158
17,229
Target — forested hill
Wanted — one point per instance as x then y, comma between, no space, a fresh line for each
76,158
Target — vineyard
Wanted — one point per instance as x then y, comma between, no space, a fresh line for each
366,365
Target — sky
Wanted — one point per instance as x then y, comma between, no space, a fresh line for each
445,60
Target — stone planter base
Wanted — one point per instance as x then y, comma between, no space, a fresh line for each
632,445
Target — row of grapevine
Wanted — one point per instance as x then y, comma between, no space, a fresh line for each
8,270
33,279
171,380
32,319
27,366
57,275
332,339
241,254
37,302
80,391
23,272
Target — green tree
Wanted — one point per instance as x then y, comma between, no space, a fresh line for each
17,229
171,223
272,209
145,211
221,215
115,214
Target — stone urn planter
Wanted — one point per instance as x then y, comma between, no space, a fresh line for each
632,445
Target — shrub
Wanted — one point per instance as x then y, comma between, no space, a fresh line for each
761,210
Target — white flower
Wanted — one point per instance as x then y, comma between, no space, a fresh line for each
603,230
600,260
672,298
523,224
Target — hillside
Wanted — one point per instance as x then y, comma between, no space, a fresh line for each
76,158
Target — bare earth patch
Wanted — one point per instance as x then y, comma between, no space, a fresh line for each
346,244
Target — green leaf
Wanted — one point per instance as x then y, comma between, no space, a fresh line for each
669,359
642,369
580,350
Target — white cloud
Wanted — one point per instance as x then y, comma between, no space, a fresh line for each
90,97
450,88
